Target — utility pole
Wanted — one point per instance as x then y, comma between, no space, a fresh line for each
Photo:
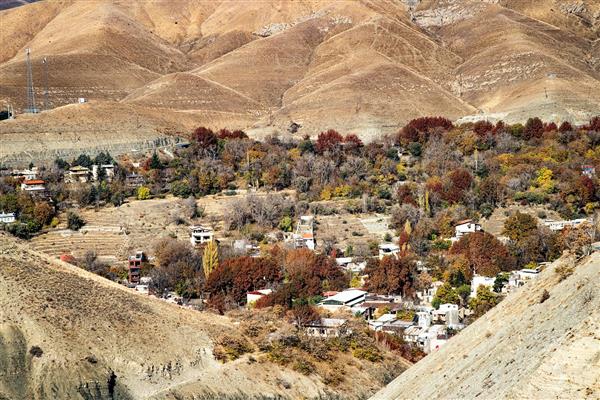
30,93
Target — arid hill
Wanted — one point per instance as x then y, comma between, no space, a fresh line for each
363,66
524,348
69,334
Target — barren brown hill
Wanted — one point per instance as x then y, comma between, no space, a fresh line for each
68,334
364,66
524,348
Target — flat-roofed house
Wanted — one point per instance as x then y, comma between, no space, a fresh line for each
33,185
344,300
201,234
327,327
78,174
7,218
388,249
465,227
304,237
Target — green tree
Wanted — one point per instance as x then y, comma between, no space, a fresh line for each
210,258
74,221
155,162
286,224
445,294
484,301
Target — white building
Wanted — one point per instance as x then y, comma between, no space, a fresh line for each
7,218
344,300
328,327
465,227
27,174
426,295
349,264
449,314
200,234
480,281
560,225
254,296
109,171
388,249
33,185
78,174
304,237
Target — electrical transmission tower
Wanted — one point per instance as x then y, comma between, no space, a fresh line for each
30,93
45,62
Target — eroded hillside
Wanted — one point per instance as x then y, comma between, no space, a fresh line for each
525,347
66,333
357,66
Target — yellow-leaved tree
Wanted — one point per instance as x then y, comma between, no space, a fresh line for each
210,258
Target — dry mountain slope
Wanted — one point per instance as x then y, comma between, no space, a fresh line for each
68,334
364,66
522,349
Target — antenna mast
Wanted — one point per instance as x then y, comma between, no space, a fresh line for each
30,93
45,62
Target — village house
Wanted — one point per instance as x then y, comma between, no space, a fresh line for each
345,300
327,328
348,264
200,234
433,338
520,277
78,174
245,247
388,249
449,315
556,226
135,267
465,227
304,236
7,218
34,186
134,180
426,295
27,174
109,171
255,295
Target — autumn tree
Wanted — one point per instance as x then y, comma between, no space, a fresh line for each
391,275
419,129
565,126
519,225
210,258
534,128
482,128
178,267
485,254
236,276
352,143
330,140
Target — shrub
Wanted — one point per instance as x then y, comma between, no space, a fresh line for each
229,348
369,353
545,296
74,221
564,271
303,366
36,351
143,193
